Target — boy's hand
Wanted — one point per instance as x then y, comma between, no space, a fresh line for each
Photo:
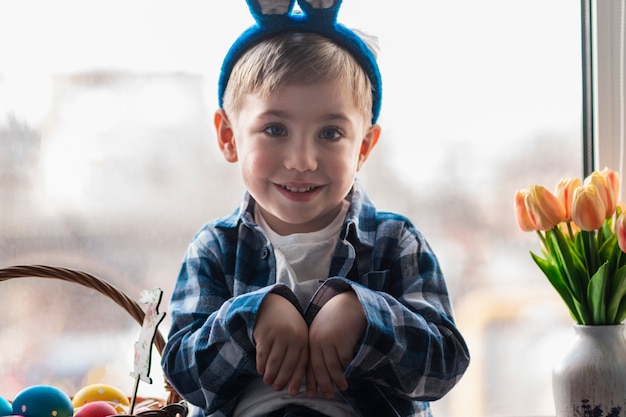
333,337
281,337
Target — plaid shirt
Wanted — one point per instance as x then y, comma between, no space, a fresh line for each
412,351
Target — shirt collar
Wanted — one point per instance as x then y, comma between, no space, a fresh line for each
359,217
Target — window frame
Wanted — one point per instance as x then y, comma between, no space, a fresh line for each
606,110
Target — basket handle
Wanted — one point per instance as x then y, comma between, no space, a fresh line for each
103,287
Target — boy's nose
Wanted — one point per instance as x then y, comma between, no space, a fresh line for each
301,156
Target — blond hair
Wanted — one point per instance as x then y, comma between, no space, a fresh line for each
296,58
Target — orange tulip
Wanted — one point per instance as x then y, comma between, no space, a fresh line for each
620,231
599,183
605,191
565,193
523,219
588,209
544,209
613,182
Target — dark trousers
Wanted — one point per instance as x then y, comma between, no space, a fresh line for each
294,410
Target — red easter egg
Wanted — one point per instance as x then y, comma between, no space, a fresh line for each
95,409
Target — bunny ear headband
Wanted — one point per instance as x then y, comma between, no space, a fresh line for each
318,16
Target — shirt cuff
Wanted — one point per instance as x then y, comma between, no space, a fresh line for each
286,292
330,288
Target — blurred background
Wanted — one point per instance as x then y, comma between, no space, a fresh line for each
109,164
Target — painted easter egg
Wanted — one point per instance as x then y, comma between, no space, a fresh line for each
5,407
101,392
42,401
95,409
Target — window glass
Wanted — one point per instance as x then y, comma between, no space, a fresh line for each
109,164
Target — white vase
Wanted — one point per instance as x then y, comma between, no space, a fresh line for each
590,378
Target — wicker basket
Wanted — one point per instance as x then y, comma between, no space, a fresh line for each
104,288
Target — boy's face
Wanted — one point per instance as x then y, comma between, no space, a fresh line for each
299,151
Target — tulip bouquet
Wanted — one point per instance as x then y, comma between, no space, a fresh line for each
582,229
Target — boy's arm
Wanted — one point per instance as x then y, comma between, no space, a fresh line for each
210,354
282,344
411,346
334,335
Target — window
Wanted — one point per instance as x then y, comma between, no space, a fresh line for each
608,63
108,164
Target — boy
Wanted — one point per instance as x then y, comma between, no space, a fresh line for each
306,301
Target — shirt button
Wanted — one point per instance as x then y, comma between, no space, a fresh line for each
264,252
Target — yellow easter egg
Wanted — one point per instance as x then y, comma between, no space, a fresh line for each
101,392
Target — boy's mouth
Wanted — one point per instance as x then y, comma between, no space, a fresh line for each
294,189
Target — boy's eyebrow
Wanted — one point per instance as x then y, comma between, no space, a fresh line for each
335,116
286,114
276,113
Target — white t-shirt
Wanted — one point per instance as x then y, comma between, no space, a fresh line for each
303,259
302,263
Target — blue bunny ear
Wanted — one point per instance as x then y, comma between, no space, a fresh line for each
318,16
268,10
324,10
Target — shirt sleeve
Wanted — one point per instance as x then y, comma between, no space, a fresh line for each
210,354
412,347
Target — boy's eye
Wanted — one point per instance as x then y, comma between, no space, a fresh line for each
275,130
331,133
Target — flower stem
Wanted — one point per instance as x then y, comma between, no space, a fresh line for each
591,251
570,231
574,277
542,238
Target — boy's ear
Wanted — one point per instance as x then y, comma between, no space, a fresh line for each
369,141
225,135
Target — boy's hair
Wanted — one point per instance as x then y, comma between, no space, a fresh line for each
296,58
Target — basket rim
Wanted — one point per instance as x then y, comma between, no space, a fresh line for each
98,284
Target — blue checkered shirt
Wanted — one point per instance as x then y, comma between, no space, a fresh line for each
412,352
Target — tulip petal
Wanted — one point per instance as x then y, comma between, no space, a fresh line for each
521,213
544,209
588,210
613,182
620,231
565,193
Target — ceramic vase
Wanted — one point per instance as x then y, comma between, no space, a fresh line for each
590,378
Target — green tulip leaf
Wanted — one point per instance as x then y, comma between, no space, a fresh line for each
591,252
621,312
596,294
606,231
617,297
579,245
574,271
607,249
554,275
